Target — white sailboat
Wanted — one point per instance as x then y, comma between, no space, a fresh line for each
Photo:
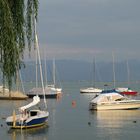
28,118
49,93
92,89
127,90
123,90
53,87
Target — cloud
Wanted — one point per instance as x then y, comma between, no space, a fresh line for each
77,29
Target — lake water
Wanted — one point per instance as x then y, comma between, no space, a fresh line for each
74,122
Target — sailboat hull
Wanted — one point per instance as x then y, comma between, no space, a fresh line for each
38,91
42,96
90,90
129,92
30,122
126,91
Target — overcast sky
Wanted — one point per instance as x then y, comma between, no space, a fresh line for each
80,29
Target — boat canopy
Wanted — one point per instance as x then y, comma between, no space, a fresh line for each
107,97
35,101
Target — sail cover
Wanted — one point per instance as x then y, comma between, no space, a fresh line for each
35,101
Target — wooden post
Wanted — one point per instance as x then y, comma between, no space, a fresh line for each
14,118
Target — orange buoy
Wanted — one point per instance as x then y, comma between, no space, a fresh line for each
73,103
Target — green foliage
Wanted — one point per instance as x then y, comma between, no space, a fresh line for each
32,11
15,26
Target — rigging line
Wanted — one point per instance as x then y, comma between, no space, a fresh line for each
114,78
21,80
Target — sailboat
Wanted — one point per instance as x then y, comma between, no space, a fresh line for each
49,93
127,90
53,86
29,118
91,89
50,90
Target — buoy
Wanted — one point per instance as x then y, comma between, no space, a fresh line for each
1,125
73,103
89,123
134,121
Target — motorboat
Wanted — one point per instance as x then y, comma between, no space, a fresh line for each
28,118
90,90
113,100
126,91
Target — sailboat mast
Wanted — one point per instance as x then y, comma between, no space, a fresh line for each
36,57
114,78
94,71
46,71
36,72
39,59
128,73
54,72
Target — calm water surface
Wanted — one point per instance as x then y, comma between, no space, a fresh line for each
74,122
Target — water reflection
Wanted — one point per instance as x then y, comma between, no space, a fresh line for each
27,134
116,118
114,124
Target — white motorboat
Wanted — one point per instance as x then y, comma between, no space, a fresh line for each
112,100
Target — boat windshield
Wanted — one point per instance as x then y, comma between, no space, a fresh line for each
120,99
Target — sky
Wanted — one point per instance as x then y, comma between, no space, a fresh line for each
82,29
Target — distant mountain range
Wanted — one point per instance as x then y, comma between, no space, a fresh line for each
76,70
